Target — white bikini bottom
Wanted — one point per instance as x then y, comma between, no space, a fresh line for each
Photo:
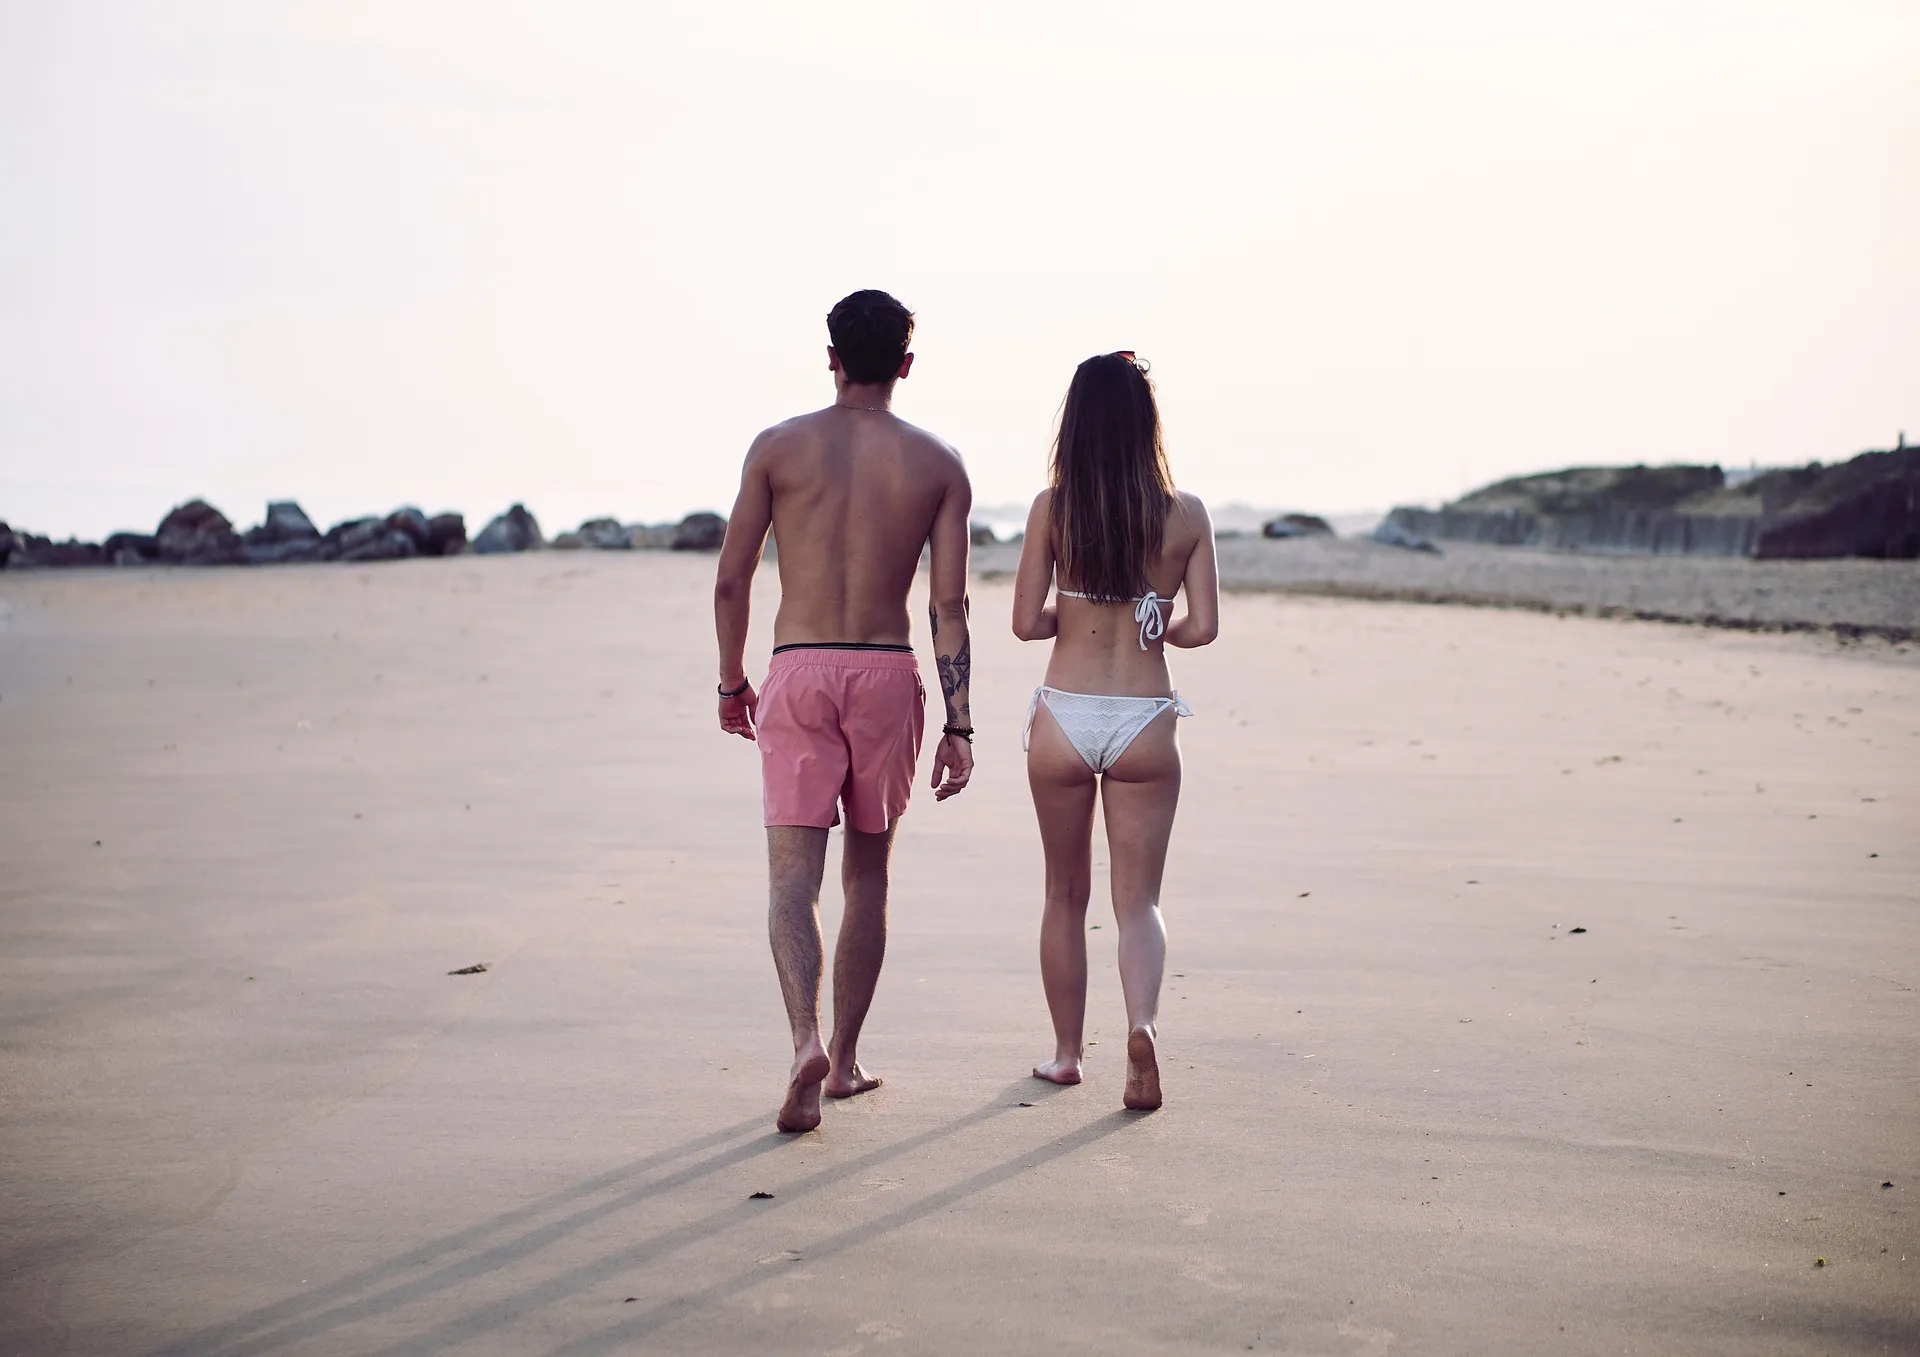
1099,727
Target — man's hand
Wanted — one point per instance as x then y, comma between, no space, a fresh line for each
954,757
737,713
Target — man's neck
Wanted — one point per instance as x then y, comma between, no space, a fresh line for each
872,396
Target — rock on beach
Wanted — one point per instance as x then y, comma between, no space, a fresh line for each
196,533
515,530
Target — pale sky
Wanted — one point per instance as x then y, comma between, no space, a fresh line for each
460,254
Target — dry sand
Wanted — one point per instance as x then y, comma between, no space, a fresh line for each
251,819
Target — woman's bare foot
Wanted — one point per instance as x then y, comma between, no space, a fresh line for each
845,1083
801,1110
1143,1071
1058,1071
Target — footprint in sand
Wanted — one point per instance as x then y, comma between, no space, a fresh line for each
1210,1275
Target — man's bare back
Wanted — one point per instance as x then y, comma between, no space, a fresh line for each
852,496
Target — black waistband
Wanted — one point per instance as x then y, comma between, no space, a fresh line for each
843,645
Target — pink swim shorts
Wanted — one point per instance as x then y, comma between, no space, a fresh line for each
839,725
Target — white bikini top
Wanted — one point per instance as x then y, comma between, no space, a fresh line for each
1146,611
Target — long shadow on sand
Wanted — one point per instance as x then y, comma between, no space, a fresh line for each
631,1329
327,1308
233,1332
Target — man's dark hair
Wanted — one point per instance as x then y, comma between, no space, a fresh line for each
870,331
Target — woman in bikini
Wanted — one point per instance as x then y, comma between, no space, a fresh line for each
1119,542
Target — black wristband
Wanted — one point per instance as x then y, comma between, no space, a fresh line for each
965,734
744,685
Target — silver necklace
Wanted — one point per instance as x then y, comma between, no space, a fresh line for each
871,409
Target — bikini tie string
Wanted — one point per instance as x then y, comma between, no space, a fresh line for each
1147,613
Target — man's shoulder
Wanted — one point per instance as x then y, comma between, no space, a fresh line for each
788,430
933,446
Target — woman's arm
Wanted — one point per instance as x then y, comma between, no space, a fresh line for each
1033,618
1201,623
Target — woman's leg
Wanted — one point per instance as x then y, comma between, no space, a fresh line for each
1140,793
1063,800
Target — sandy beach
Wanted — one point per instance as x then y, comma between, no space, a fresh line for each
1536,984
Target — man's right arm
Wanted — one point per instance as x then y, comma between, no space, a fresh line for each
952,644
733,588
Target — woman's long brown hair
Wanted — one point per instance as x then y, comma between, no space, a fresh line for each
1111,485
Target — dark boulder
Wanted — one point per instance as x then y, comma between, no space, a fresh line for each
1297,525
604,534
196,533
1392,532
515,530
286,535
446,535
700,532
286,553
286,521
389,544
414,524
23,550
366,539
30,551
75,552
6,544
131,548
981,535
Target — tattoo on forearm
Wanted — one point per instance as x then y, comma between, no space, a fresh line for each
956,680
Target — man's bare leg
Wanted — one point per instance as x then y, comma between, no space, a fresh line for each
858,953
796,858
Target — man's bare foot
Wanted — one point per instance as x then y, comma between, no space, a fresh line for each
845,1083
801,1110
1058,1071
1143,1071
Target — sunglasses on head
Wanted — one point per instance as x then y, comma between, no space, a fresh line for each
1140,363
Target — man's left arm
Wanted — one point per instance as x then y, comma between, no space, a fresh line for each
733,590
952,643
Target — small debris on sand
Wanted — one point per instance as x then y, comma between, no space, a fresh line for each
630,1300
1819,1262
474,969
1884,1185
1026,1104
759,1196
1576,930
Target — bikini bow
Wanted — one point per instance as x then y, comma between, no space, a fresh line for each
1147,613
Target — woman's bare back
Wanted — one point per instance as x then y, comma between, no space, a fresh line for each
1097,647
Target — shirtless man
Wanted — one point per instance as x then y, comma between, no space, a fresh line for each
852,493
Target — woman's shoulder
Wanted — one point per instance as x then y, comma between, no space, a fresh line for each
1190,511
